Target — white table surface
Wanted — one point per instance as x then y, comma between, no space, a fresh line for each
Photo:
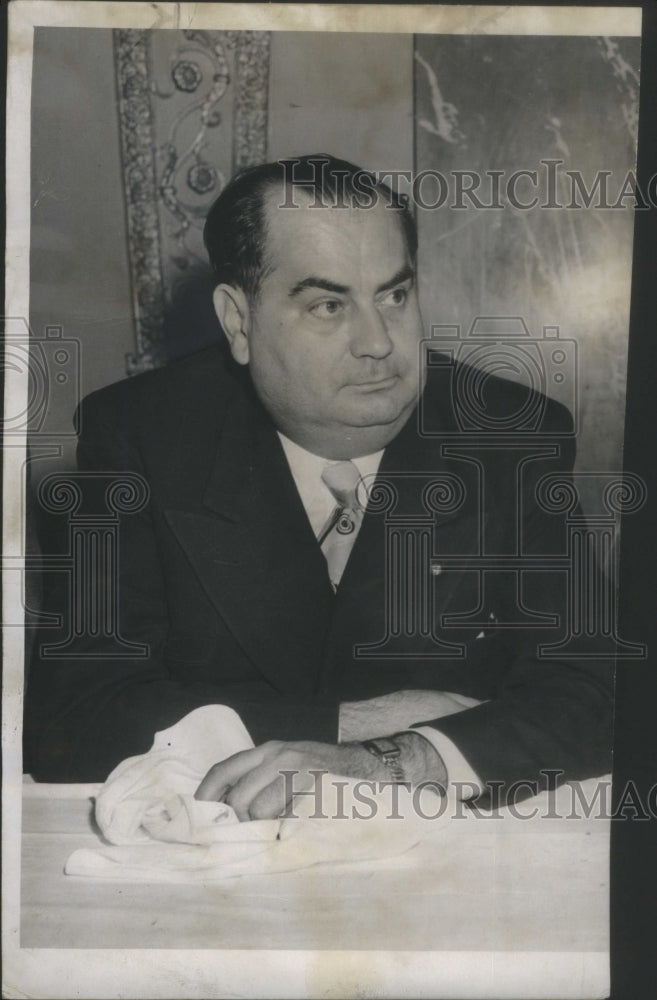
485,884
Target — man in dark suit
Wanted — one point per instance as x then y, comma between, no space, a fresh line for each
311,550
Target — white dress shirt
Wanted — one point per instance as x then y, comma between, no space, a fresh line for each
306,469
319,504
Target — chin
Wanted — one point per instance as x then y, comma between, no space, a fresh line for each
374,416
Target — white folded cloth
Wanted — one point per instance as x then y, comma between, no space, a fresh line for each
151,797
159,832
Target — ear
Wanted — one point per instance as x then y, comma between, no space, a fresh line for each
232,309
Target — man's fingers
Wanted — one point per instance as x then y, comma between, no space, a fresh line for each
265,793
226,773
252,783
270,802
213,787
273,799
244,791
260,795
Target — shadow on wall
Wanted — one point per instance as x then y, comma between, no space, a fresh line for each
190,322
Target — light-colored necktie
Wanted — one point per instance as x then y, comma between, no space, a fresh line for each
338,535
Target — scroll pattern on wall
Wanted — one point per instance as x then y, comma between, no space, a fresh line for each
192,111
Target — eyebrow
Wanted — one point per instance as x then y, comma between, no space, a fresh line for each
403,274
313,282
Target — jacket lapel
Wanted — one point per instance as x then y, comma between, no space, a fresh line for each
254,551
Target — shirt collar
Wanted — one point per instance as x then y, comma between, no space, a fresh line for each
305,465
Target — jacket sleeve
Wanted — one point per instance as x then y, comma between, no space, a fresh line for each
87,708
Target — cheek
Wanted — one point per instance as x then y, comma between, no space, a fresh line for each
271,351
306,356
291,368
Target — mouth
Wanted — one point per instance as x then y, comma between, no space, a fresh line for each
375,385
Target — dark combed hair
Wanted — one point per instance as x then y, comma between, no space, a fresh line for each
235,229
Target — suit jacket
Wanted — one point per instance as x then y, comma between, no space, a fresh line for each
222,580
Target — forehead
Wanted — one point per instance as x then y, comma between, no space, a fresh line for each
332,241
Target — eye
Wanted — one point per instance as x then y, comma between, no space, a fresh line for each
327,308
395,297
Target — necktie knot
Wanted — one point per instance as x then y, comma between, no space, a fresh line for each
342,479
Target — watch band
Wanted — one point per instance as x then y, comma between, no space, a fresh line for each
389,753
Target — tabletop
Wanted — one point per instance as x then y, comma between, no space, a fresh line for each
487,882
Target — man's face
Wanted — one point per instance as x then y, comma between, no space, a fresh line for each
333,336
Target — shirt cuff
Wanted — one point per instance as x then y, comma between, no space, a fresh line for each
462,780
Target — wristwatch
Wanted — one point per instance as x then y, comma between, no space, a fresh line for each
389,753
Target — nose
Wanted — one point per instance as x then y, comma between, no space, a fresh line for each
370,337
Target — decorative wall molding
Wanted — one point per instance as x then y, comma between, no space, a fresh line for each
252,70
132,50
192,111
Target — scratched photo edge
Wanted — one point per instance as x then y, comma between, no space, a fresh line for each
14,517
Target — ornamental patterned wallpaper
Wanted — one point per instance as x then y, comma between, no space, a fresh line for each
192,111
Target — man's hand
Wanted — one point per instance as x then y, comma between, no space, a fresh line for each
253,784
